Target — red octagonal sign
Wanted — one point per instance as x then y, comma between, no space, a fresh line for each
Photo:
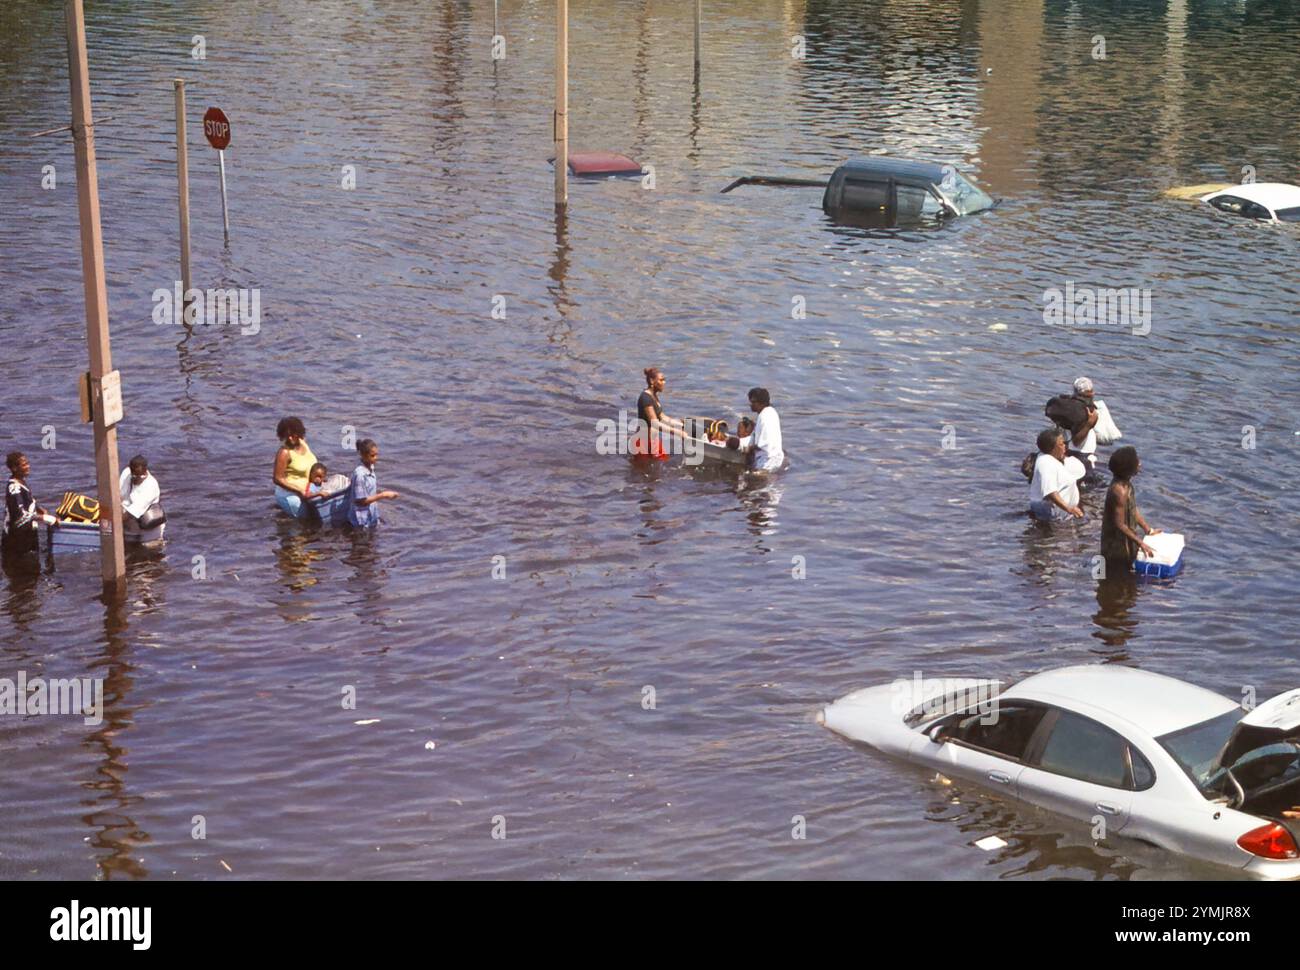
216,127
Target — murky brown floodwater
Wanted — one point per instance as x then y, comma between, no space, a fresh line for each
224,694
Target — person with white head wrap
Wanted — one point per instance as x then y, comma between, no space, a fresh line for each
1104,431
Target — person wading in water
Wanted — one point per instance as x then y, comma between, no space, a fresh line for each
1120,541
649,412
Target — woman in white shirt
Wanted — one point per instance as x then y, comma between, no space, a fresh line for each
1054,489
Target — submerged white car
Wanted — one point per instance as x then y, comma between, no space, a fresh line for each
1265,201
1157,759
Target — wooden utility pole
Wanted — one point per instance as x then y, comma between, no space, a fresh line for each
183,188
561,123
102,376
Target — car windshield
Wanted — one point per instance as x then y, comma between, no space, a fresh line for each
1197,748
1289,215
963,194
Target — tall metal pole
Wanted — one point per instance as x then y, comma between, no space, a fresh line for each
697,39
225,213
561,123
183,187
112,559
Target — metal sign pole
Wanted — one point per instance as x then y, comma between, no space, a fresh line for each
225,214
183,187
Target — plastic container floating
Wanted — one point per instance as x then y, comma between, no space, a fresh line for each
333,508
1168,559
62,536
597,164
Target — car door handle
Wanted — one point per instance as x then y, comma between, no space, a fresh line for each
1108,808
1001,777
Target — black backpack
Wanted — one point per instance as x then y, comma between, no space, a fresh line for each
1067,411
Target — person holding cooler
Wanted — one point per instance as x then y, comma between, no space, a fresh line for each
1120,539
365,487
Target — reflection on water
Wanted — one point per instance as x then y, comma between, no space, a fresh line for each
1115,618
108,800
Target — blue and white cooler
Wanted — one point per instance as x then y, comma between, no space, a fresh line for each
1168,558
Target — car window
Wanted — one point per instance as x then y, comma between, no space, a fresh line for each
1228,203
1143,775
1196,748
1079,747
1253,210
1289,215
1008,732
911,202
965,195
860,195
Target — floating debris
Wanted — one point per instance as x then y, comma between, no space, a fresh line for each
368,720
990,842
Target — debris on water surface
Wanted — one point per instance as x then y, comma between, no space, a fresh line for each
367,720
223,863
990,842
429,745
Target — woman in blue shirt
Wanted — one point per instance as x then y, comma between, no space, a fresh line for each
365,488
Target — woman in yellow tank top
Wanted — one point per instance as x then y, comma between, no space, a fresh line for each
292,463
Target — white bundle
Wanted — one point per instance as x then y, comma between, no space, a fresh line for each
1105,429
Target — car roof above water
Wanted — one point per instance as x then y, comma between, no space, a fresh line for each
1274,195
1153,702
904,170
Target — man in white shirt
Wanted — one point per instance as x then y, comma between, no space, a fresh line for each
1054,490
139,489
764,444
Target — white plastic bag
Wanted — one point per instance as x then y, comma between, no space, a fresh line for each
1107,433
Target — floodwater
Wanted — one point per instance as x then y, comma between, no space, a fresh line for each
520,704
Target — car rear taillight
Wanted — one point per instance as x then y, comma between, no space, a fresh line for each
1271,841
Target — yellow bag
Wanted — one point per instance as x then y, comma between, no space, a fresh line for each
78,508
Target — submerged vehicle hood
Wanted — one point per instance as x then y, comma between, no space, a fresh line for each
1277,719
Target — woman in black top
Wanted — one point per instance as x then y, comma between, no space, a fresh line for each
21,511
1120,539
649,411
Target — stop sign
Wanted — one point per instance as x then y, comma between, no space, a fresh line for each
216,127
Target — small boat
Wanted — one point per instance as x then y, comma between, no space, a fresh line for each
696,431
65,536
333,507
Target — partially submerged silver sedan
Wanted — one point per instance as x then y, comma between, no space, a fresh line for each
1147,756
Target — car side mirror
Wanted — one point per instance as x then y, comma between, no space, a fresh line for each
937,730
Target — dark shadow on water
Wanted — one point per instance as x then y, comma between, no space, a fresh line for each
116,835
1115,621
